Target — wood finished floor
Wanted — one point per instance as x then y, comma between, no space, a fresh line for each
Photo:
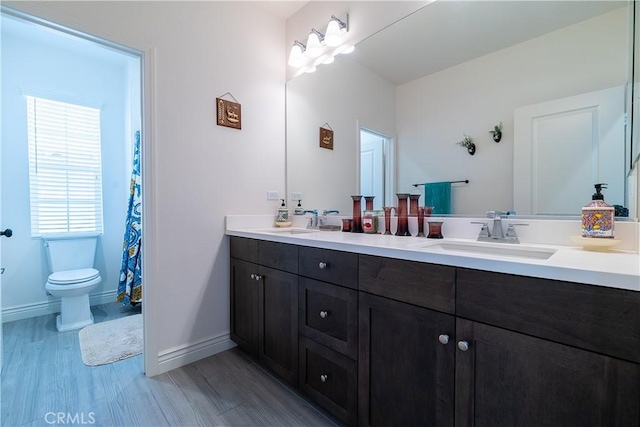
43,372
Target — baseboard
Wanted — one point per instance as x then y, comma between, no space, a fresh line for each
189,353
27,311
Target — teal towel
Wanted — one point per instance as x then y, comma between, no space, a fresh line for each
438,195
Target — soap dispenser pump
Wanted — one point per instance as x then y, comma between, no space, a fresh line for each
598,216
283,214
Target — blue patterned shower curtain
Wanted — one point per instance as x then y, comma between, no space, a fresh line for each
130,285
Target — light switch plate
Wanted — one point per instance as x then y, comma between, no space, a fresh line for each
273,195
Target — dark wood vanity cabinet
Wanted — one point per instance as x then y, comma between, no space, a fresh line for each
328,325
506,378
406,348
538,352
406,374
244,305
264,303
386,342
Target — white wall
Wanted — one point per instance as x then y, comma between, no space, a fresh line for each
346,96
51,71
202,172
435,111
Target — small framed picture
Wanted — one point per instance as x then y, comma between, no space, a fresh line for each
228,114
326,138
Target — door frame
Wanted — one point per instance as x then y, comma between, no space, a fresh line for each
389,153
147,55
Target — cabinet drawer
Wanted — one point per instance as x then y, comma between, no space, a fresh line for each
329,315
244,249
280,256
426,285
595,318
340,268
330,379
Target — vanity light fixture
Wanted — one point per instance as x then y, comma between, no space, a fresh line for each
320,48
314,46
296,56
335,30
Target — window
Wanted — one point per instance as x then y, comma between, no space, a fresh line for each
65,177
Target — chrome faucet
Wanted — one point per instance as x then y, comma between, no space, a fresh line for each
497,233
313,221
330,211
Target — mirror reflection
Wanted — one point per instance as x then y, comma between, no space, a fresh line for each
553,74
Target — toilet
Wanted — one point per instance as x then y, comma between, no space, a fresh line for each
72,277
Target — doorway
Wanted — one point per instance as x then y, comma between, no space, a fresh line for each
49,62
376,167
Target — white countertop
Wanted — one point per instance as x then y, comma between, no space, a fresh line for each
612,268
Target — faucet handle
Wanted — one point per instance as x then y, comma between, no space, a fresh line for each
511,231
484,231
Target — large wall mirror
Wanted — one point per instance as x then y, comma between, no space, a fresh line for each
555,74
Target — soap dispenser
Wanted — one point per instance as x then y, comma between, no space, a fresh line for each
298,210
283,215
598,216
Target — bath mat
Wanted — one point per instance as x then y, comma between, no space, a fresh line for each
108,342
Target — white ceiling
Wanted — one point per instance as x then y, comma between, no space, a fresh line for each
447,33
283,9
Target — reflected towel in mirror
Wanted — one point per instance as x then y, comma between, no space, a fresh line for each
438,195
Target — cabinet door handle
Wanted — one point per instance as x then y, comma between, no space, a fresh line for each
463,345
322,265
444,339
324,314
258,277
253,276
324,378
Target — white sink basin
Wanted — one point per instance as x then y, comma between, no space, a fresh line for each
499,249
283,230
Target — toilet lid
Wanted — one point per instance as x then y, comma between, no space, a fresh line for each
73,276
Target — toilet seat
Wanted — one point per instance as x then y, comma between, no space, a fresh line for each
73,276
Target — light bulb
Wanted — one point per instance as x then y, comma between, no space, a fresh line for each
333,37
296,56
313,46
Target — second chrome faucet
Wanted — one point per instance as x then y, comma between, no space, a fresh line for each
497,233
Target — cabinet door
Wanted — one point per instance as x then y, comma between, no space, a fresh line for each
405,374
244,305
278,314
510,379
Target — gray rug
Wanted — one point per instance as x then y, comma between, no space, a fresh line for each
108,342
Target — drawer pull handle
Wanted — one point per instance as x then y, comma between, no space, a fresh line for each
258,277
322,265
253,276
324,314
444,339
463,345
324,378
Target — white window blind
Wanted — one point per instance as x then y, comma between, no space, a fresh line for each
65,176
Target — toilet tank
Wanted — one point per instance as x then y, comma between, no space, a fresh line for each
70,251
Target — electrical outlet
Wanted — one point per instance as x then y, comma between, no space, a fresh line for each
296,196
273,195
